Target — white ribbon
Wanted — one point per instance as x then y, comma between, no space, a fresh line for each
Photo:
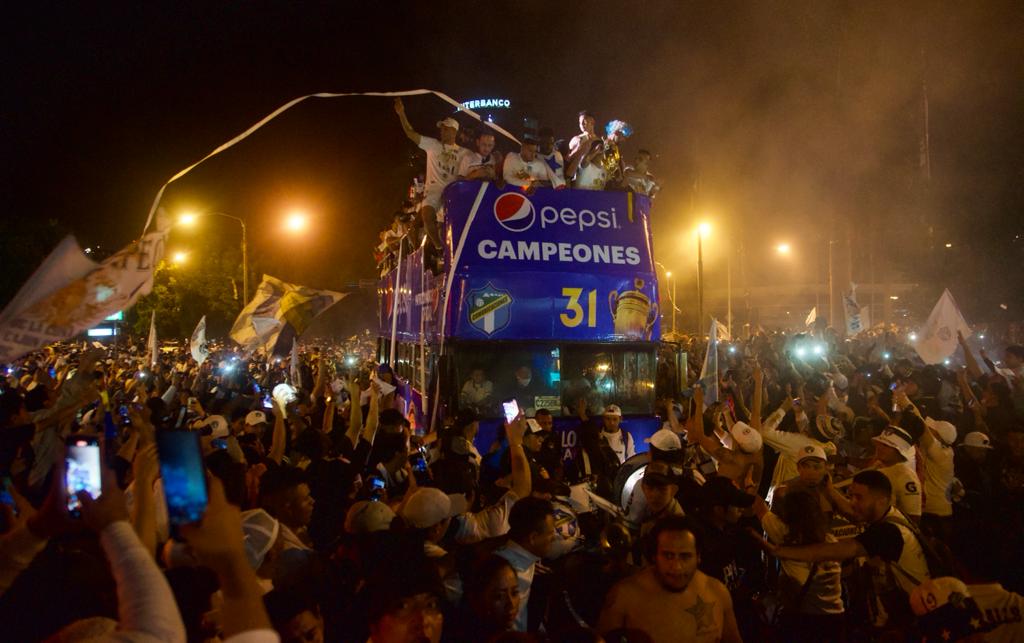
295,101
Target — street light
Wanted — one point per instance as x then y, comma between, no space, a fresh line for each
783,249
188,219
296,222
179,257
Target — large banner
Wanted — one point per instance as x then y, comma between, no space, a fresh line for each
557,264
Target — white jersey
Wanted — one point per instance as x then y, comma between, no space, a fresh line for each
524,173
938,476
442,161
906,488
1002,612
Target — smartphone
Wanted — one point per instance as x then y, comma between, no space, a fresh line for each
511,408
82,470
267,402
256,388
892,387
376,484
219,443
184,477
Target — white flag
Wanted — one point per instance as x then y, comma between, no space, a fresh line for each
865,317
937,339
197,345
69,294
709,371
854,323
151,344
811,317
723,332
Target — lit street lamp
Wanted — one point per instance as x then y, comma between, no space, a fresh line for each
189,218
179,257
296,222
783,249
668,277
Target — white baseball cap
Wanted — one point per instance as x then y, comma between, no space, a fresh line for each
977,439
812,451
934,593
896,438
448,122
665,440
945,431
218,426
746,437
368,516
613,409
255,417
428,506
261,531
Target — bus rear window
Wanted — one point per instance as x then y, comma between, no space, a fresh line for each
552,377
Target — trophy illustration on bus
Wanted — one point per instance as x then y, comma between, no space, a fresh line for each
633,312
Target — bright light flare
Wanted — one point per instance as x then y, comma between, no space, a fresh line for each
783,249
913,337
179,257
188,218
668,274
296,222
703,229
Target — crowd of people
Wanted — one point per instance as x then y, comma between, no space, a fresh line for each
843,494
587,161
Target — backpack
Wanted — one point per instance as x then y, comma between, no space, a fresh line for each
936,553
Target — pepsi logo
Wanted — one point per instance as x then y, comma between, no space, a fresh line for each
514,212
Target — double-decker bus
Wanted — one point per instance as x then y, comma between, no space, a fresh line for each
547,298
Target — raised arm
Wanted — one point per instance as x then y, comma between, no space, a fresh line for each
277,440
819,552
406,127
972,364
755,412
522,484
355,411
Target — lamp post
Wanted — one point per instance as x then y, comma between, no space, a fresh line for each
190,218
702,229
668,277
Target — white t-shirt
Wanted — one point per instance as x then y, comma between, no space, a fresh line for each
906,488
938,476
524,173
622,447
591,177
912,559
442,161
1003,611
556,163
473,160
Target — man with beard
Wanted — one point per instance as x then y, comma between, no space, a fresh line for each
672,600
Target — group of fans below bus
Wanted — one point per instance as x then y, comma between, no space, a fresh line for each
855,495
587,161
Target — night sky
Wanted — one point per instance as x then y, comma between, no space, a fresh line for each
796,121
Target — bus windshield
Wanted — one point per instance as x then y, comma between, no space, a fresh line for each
555,377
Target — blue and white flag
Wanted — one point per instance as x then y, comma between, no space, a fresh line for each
709,372
197,345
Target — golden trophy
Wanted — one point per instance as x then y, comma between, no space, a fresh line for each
633,313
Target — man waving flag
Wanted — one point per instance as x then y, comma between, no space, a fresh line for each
279,313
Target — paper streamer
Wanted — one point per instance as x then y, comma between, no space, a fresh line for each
295,101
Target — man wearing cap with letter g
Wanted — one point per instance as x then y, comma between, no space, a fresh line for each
443,159
893,451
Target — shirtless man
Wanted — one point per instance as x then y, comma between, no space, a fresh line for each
671,600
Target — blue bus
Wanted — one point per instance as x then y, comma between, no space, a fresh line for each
546,298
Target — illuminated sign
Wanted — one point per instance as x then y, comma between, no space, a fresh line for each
488,103
100,332
118,316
